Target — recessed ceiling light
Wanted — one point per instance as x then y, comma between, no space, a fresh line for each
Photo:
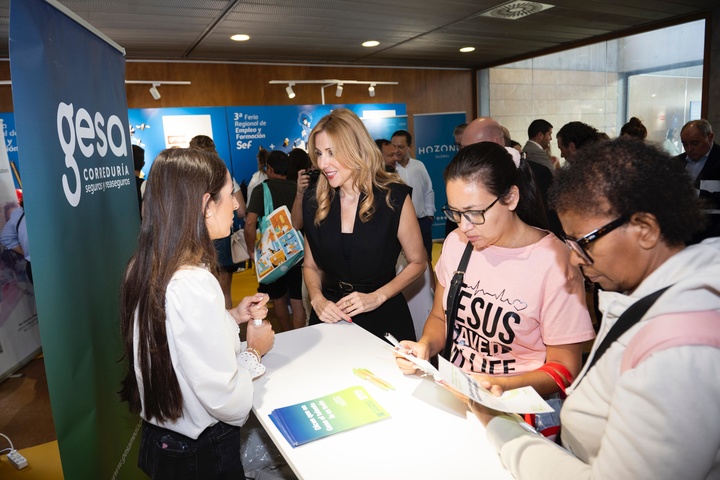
371,43
240,37
467,49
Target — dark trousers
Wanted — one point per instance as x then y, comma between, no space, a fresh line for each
165,454
426,231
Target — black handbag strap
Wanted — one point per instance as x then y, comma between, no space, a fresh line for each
630,317
453,299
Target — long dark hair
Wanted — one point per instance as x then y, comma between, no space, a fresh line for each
490,165
173,234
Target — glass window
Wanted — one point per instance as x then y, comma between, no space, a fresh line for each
655,76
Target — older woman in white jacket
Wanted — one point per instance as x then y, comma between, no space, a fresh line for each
648,408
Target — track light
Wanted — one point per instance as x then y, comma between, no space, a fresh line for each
329,83
289,90
155,84
154,91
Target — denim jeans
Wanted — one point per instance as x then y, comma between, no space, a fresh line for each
215,454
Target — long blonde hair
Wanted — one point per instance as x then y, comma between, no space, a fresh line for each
354,148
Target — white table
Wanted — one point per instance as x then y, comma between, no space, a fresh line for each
430,435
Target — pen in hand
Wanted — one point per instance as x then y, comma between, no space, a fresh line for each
394,342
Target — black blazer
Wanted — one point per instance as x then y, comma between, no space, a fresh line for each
711,171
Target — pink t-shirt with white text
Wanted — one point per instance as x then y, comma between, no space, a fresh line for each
513,302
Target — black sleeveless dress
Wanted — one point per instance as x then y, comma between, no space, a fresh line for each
362,261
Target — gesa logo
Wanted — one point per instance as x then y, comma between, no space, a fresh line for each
89,134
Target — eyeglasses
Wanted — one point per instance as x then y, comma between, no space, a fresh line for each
476,217
578,246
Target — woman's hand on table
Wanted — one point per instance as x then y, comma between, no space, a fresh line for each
356,302
329,312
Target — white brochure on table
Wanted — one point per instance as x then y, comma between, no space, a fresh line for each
519,400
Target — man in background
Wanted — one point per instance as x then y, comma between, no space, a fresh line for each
573,136
388,152
539,137
414,174
458,133
702,161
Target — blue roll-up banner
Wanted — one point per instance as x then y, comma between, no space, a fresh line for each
19,329
82,218
9,133
435,147
240,131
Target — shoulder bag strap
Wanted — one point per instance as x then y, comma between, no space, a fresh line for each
267,198
453,299
630,317
17,225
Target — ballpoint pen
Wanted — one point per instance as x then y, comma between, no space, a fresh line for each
390,338
366,374
394,341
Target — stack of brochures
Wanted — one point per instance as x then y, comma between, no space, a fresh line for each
321,417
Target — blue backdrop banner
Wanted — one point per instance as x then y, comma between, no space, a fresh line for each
286,127
236,131
11,144
435,147
82,218
156,129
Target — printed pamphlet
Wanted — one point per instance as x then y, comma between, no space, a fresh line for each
321,417
519,400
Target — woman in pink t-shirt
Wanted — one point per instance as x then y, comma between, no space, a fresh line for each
521,304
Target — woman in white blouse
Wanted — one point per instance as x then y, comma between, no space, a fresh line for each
188,376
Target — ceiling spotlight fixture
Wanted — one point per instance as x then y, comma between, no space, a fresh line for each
154,91
289,90
467,49
154,84
328,83
241,37
371,43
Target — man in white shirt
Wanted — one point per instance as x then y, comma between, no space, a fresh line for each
414,173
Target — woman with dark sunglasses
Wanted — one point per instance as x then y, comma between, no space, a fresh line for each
522,317
645,404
